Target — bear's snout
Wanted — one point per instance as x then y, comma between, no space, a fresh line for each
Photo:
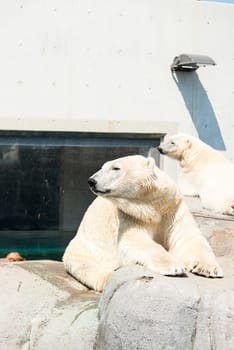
92,182
160,149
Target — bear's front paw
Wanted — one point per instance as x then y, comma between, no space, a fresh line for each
102,281
169,269
175,270
206,269
229,210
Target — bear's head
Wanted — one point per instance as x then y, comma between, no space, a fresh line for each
175,146
132,177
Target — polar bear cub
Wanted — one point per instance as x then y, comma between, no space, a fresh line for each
139,217
205,172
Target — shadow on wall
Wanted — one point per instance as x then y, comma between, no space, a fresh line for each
200,108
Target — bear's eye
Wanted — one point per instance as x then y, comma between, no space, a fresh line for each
172,143
115,168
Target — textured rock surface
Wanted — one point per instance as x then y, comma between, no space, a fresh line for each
42,307
218,229
140,310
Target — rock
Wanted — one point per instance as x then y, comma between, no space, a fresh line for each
141,310
42,307
217,228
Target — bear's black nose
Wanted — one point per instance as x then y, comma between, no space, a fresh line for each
92,182
160,150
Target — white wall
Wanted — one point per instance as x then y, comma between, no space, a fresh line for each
65,63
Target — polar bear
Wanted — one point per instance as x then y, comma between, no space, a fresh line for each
205,172
139,217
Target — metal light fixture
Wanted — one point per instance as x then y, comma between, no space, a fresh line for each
189,63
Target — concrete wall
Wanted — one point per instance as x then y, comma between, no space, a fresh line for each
68,64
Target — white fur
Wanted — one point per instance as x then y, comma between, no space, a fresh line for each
205,172
139,217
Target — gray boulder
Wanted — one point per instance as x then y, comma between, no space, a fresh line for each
141,310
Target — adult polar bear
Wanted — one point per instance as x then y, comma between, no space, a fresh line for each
205,172
139,217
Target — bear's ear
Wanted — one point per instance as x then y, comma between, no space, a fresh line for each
150,162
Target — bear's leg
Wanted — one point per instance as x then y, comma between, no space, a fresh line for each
187,187
193,250
187,244
136,247
198,257
90,273
91,267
